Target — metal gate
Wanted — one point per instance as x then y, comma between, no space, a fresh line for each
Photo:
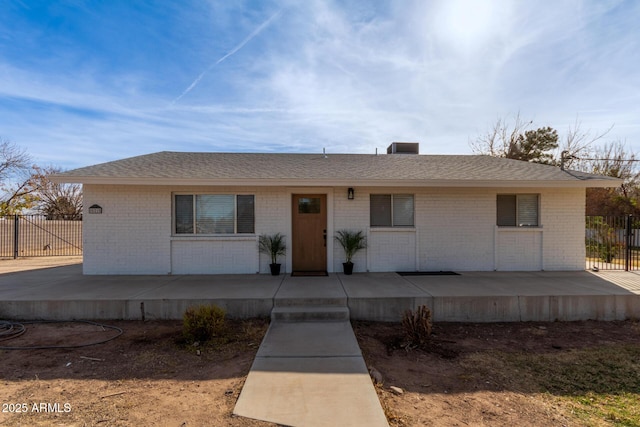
613,243
35,235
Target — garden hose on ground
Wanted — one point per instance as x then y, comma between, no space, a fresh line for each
10,330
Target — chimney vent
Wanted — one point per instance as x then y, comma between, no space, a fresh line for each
404,148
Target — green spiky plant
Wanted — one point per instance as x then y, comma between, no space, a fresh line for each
351,242
273,245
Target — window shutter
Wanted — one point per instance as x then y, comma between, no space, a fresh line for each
403,210
246,214
380,210
528,210
506,208
184,214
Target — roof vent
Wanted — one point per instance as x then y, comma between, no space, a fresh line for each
404,148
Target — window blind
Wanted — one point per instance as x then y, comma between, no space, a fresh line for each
380,210
506,210
527,210
246,214
402,210
184,214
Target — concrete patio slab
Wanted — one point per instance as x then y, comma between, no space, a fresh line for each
216,287
517,283
379,285
311,287
68,283
33,279
64,293
629,280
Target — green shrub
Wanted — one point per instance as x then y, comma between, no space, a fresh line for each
203,323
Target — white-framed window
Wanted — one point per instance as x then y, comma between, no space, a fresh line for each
391,210
518,210
214,214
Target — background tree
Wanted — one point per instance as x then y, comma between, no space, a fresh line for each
498,140
518,140
579,144
614,160
55,200
16,183
535,146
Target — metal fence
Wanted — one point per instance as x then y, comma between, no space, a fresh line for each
613,243
35,235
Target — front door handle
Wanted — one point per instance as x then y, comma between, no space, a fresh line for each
324,235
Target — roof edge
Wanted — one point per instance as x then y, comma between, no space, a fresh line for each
156,181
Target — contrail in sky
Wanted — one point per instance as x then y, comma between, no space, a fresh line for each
254,33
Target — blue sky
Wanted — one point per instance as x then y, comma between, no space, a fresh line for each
83,82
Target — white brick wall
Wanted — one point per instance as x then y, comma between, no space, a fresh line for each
519,250
454,230
215,255
563,219
392,250
132,235
273,215
349,215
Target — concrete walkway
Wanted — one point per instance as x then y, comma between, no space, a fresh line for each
309,370
310,374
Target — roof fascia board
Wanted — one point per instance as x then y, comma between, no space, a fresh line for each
589,183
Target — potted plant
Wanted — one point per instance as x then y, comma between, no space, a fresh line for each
273,245
351,242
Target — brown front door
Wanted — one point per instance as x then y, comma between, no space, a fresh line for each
309,232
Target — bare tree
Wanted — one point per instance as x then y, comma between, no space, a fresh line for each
578,150
502,135
12,159
518,141
16,184
613,159
578,144
55,200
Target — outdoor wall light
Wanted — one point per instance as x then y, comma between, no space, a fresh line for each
95,209
350,193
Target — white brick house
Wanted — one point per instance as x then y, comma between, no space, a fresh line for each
202,213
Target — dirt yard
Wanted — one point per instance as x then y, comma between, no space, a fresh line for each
520,374
509,374
147,376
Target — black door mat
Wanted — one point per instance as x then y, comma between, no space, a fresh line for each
309,273
427,273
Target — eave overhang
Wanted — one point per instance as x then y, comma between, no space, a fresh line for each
164,181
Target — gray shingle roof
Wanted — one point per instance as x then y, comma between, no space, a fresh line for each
333,169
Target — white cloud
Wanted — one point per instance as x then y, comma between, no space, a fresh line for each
240,45
348,78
